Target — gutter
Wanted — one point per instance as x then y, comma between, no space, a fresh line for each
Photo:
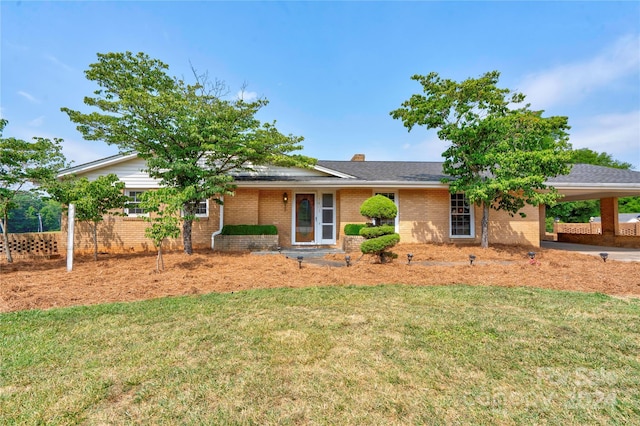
219,231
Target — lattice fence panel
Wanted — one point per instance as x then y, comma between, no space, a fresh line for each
630,229
32,244
579,228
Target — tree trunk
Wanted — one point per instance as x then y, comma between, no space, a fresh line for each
95,241
5,239
485,225
186,236
159,260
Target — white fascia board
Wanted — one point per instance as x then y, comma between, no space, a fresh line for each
98,164
333,172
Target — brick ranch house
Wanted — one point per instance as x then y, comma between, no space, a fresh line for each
310,207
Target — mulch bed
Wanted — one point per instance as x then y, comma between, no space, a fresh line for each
45,283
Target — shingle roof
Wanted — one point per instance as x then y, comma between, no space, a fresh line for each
416,171
587,173
388,171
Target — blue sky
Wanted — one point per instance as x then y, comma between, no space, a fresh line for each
333,71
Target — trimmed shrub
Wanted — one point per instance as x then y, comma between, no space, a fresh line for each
353,228
377,231
379,207
379,238
249,230
380,244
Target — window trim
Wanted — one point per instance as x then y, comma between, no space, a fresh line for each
202,215
206,209
471,214
128,192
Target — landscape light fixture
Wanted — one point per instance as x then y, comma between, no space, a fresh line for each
300,258
279,249
409,258
285,198
532,255
472,257
604,256
347,259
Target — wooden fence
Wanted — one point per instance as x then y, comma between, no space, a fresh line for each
33,244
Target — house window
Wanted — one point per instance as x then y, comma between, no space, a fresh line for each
133,209
202,209
392,197
461,217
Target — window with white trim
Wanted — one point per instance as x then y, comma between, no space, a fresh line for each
392,197
461,219
202,209
133,207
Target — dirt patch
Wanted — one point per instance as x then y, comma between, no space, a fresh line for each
42,283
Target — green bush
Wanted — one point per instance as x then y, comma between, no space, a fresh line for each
249,230
380,244
377,231
353,228
379,207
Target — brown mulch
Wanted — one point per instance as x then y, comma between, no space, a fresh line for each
45,283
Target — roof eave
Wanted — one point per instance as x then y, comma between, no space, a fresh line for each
87,167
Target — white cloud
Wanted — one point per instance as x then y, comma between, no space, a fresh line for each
574,81
29,97
59,63
36,122
615,134
247,96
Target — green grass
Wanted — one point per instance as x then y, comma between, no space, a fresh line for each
339,355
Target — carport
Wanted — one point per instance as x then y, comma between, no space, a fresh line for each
588,182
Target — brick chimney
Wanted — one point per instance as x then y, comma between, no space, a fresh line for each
357,157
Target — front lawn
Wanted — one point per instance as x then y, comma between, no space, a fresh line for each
328,355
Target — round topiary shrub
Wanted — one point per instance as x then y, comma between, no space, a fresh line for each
378,207
379,239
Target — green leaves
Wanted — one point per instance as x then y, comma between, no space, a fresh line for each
382,237
23,163
190,136
499,156
378,207
164,207
93,199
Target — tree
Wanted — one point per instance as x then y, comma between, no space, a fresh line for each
163,206
499,157
189,135
93,200
33,213
23,163
379,238
588,156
